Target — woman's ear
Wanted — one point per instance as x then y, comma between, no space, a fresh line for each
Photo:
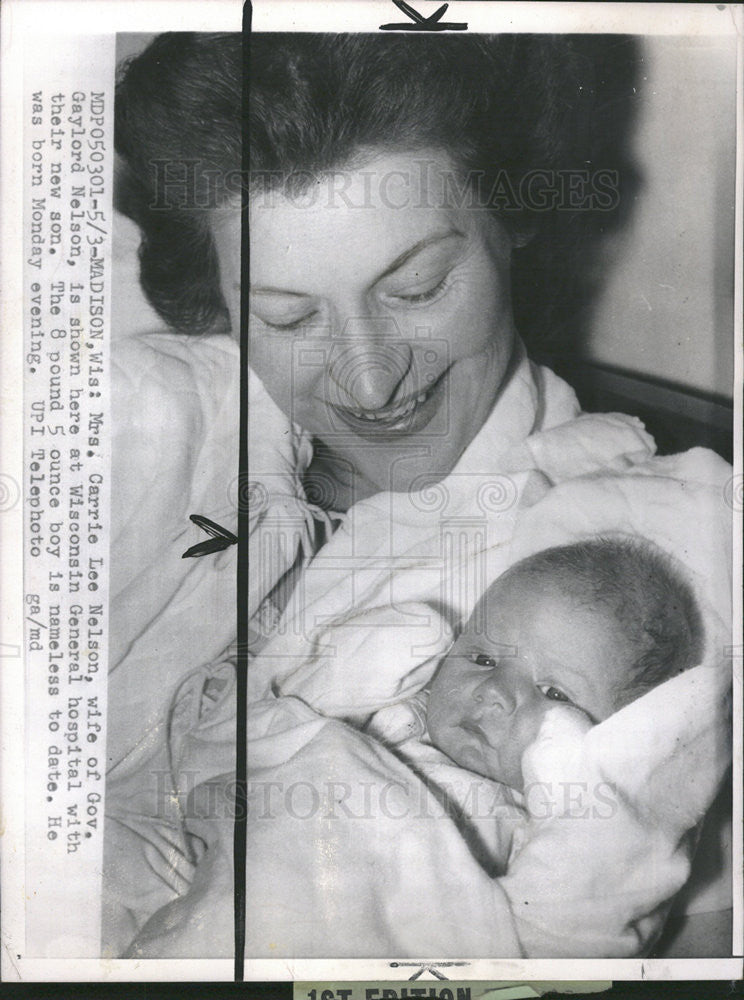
523,232
519,226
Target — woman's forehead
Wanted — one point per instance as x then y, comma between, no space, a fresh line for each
371,175
359,220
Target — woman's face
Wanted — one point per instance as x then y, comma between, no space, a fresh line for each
380,317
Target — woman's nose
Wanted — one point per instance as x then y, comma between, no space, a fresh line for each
495,693
368,364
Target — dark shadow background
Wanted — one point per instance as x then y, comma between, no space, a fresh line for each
557,275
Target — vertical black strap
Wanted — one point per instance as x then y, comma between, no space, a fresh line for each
240,838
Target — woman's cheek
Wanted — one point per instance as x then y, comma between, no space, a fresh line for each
479,311
495,300
272,358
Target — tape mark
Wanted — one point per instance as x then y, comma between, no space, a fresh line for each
420,23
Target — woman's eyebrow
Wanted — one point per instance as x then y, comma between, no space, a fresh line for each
417,248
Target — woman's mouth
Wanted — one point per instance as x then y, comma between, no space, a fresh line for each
407,417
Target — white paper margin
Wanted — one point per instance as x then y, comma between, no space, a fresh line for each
22,17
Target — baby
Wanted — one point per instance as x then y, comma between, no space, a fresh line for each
592,625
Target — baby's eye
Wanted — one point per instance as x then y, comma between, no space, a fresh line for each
483,660
553,693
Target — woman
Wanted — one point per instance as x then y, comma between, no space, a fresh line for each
392,190
321,104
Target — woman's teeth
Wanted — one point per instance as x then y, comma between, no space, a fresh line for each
391,415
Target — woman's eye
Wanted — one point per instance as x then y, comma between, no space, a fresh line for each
553,694
416,298
293,324
483,660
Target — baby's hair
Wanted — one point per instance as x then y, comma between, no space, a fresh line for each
654,608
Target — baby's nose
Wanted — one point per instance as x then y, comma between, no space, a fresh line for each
494,693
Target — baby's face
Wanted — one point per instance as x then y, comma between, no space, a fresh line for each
526,648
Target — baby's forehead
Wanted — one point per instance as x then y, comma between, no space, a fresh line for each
512,600
522,584
553,597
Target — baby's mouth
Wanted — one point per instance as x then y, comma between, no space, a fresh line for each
472,727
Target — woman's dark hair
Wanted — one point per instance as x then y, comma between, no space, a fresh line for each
178,129
505,107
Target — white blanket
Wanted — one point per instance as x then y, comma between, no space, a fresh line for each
351,853
175,408
417,563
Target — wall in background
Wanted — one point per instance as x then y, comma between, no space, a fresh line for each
667,306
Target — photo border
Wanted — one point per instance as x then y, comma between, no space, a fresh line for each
21,17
